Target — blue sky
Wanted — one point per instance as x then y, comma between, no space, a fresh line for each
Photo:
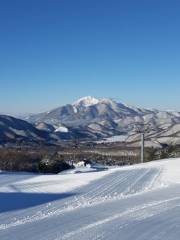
55,51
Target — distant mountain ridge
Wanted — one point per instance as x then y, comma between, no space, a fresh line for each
91,118
13,130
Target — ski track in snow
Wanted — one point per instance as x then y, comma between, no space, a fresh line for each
139,213
128,202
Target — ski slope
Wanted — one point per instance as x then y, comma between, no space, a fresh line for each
140,202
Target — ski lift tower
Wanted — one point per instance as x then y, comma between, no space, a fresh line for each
142,129
142,147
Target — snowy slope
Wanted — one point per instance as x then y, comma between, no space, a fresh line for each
140,202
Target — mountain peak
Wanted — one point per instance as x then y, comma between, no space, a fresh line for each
86,101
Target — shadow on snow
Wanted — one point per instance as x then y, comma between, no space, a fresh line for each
16,201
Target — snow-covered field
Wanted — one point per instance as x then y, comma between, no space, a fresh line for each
136,202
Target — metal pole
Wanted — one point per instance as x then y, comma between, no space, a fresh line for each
142,147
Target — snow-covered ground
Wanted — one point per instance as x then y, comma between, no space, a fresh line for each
139,202
118,138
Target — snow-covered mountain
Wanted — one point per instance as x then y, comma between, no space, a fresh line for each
13,130
94,118
87,110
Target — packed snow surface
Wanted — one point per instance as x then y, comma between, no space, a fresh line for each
134,202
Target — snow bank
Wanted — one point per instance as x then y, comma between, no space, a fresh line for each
52,183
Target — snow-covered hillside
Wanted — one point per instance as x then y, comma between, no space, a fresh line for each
13,130
97,119
136,202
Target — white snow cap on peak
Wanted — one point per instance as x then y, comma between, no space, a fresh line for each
86,101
